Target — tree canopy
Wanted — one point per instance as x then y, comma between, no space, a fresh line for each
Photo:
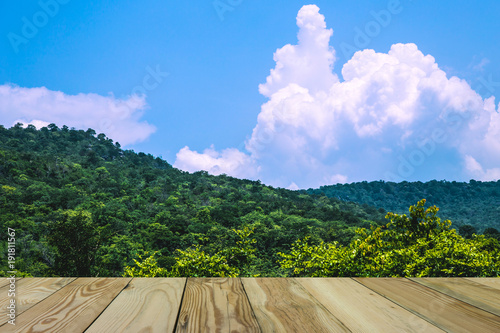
417,245
82,206
474,204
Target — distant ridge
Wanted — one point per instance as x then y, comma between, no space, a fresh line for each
476,203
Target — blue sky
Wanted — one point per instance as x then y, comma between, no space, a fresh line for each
200,64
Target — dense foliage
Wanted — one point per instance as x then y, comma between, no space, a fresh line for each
82,206
416,245
475,204
230,262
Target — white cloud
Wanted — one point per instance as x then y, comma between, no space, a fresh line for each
230,161
119,119
308,64
394,116
478,171
37,123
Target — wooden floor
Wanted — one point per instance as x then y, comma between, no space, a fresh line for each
253,305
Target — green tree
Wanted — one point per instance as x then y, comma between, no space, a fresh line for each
416,245
492,232
195,262
146,268
467,231
76,239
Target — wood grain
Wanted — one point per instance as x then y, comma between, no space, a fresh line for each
145,305
216,305
30,291
361,309
255,305
490,282
4,282
448,313
71,309
469,291
283,305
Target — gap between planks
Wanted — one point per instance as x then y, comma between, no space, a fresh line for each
444,311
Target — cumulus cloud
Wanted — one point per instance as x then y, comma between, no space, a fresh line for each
310,62
393,116
478,171
230,162
119,119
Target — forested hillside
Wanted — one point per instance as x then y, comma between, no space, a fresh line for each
475,203
80,206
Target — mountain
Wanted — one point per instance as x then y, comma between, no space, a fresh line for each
74,203
79,205
475,203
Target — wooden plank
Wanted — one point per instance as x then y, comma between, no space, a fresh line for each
448,313
5,283
490,282
469,291
216,305
145,305
283,305
71,309
30,291
4,289
361,309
